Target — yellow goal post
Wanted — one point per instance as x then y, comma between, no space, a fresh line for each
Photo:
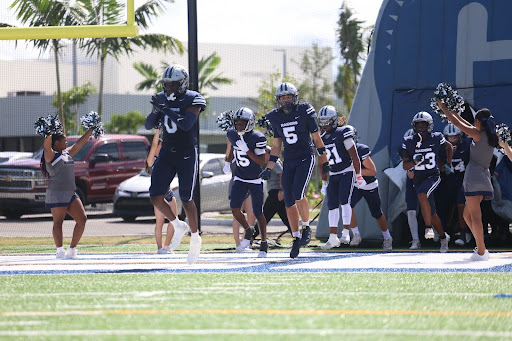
71,32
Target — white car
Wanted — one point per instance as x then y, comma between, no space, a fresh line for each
13,156
131,199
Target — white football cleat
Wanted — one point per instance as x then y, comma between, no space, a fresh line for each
330,244
476,257
345,238
356,239
415,244
444,243
179,231
60,254
195,248
429,233
244,244
70,253
387,244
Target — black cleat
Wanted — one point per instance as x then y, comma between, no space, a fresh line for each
306,236
249,233
295,247
263,250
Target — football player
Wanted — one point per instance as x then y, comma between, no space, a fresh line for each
345,169
177,109
420,152
411,201
451,181
370,193
248,151
294,125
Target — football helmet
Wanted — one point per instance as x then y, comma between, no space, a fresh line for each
451,130
287,89
355,138
423,116
174,81
328,116
247,115
408,133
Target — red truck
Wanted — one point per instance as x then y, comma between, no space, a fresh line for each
100,166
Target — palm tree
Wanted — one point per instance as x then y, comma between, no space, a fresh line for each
48,13
350,33
206,69
106,12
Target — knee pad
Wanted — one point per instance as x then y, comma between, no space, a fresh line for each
346,214
334,217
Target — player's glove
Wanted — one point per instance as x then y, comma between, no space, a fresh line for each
417,159
157,105
242,145
323,190
227,168
325,168
360,181
265,174
448,169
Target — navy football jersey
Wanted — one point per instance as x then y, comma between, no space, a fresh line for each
429,147
246,168
339,158
173,135
295,129
460,158
363,151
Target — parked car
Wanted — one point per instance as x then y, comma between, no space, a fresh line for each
13,156
131,199
100,166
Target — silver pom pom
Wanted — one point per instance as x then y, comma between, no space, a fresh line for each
47,126
93,121
503,132
225,120
454,102
265,125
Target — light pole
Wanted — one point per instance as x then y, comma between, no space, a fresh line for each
284,61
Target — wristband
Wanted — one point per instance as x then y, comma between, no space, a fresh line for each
273,158
321,150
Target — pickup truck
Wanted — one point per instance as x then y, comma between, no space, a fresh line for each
100,166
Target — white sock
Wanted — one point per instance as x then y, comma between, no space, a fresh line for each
333,236
386,234
175,221
355,230
194,234
413,224
60,249
304,223
345,232
71,249
295,234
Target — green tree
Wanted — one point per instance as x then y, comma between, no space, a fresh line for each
48,13
127,123
350,41
111,12
70,100
316,88
208,78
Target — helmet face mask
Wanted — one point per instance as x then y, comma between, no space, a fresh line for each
420,117
175,81
452,133
328,118
287,89
244,120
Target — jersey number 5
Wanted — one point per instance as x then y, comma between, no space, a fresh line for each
289,134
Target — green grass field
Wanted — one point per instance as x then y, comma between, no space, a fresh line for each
252,306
